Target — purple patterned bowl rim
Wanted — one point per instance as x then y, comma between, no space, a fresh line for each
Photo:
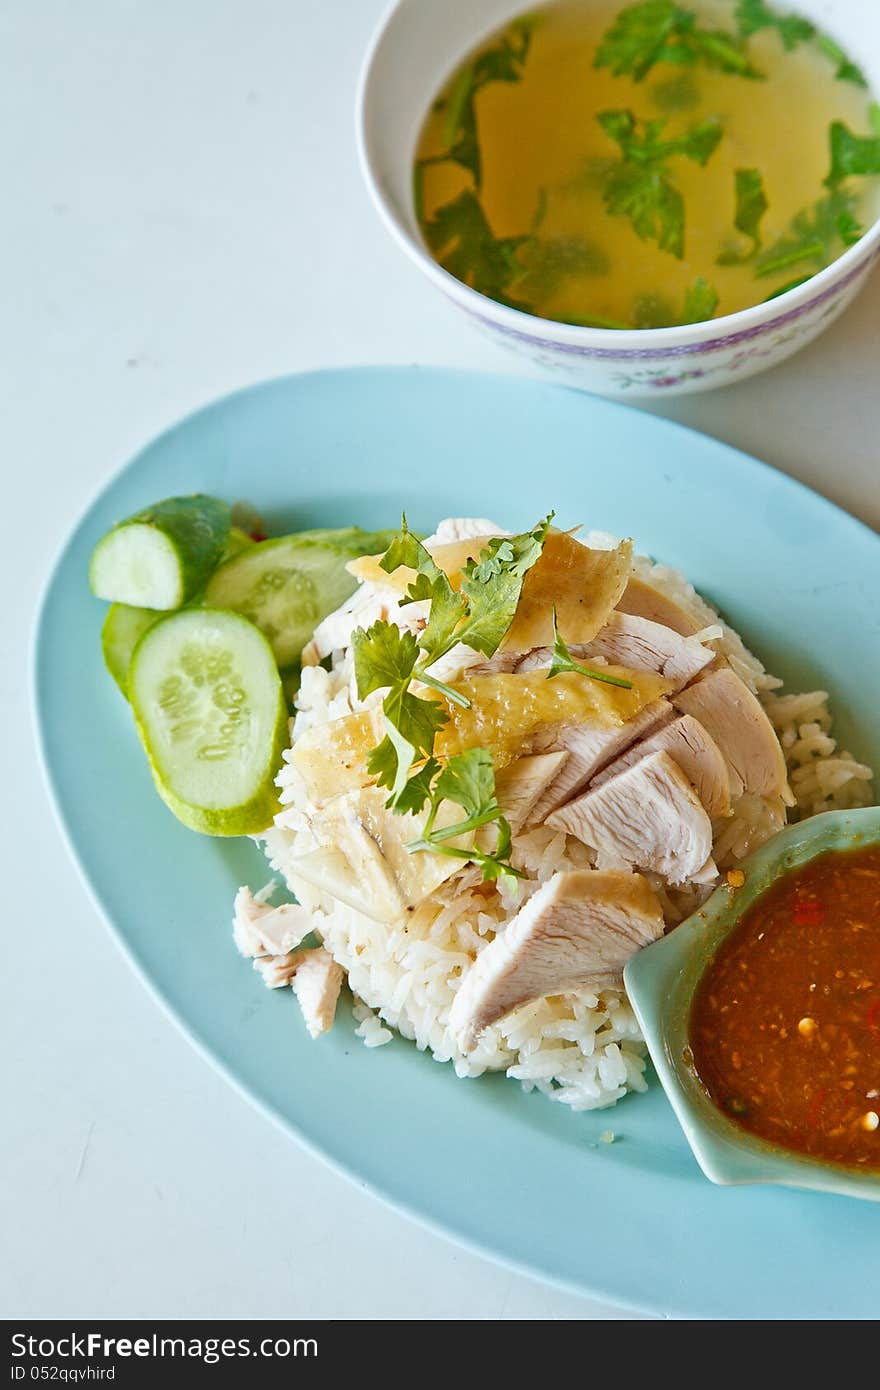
629,344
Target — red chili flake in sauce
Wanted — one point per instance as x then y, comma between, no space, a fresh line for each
785,1022
808,912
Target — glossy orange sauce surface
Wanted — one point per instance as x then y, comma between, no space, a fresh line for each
785,1023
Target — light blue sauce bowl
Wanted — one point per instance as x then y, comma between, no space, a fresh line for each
661,982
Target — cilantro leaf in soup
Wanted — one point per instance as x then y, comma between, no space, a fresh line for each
643,35
463,242
656,311
751,204
660,31
851,154
789,285
754,15
811,236
639,186
653,205
847,70
549,261
645,145
700,301
503,62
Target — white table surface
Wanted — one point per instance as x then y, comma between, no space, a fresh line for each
183,214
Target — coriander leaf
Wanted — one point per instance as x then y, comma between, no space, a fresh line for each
503,62
811,236
468,779
416,720
639,187
751,204
640,36
465,245
660,31
874,116
406,551
390,763
679,93
753,15
383,656
411,725
383,763
653,310
447,607
847,71
851,154
418,789
548,262
493,583
657,311
789,285
723,51
653,205
646,147
564,661
849,229
700,301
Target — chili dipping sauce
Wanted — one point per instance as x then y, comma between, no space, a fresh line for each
785,1022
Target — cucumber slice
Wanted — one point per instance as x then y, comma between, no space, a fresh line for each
211,714
161,556
123,629
287,586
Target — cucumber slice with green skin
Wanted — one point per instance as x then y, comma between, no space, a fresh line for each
161,556
124,626
287,586
123,629
211,713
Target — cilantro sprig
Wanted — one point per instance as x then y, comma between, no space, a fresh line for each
851,155
847,70
754,15
751,204
564,661
478,615
504,61
639,186
812,236
467,780
660,31
460,236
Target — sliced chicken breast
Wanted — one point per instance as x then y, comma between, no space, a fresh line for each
732,715
518,786
262,930
578,930
649,816
317,981
589,749
639,644
697,754
642,600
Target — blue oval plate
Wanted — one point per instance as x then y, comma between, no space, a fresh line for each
510,1174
